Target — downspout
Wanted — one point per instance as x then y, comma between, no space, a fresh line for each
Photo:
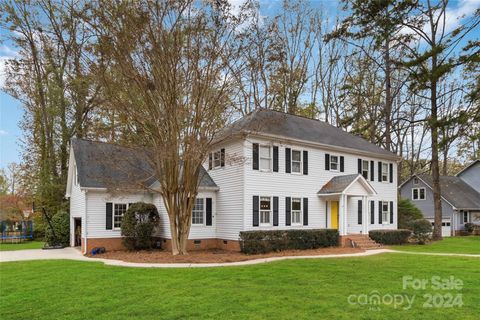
86,215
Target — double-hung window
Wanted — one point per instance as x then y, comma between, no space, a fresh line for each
333,163
119,210
296,211
385,212
418,194
265,158
265,211
217,159
198,212
365,169
385,172
296,161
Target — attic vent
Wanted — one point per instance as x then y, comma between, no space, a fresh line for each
415,180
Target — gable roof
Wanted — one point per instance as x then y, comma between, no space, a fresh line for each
467,167
340,184
455,191
104,165
279,124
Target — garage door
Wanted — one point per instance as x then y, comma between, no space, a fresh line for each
446,227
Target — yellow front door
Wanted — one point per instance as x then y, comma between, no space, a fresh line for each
334,214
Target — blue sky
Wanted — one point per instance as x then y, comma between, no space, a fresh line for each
11,110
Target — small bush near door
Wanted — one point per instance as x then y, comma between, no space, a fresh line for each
138,225
255,242
390,237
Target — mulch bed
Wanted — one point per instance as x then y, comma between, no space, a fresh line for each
212,256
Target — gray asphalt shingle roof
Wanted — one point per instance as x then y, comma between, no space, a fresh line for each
338,184
300,128
456,191
106,165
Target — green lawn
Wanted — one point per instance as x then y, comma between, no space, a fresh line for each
295,289
470,244
21,246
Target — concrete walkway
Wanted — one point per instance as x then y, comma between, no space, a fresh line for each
74,254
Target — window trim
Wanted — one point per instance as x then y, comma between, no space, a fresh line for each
419,198
300,200
337,163
260,224
300,171
363,169
386,173
385,219
113,214
270,151
203,213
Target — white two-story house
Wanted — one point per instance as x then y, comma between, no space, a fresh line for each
267,171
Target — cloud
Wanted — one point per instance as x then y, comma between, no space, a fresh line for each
464,9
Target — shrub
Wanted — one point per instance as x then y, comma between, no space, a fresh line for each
469,227
61,226
138,225
389,237
407,213
422,230
254,242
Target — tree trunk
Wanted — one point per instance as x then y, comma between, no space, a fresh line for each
388,97
437,201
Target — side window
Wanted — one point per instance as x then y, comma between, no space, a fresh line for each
265,158
385,172
265,211
296,161
365,169
198,212
119,210
385,211
296,211
334,163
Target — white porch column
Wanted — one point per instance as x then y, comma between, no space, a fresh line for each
345,214
365,218
341,212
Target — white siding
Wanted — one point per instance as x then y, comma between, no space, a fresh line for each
77,205
230,180
96,211
196,231
283,185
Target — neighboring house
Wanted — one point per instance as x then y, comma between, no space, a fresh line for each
267,171
460,197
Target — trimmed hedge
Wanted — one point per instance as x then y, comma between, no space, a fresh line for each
61,226
255,242
138,225
388,237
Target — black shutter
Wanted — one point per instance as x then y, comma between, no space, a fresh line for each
391,172
305,162
327,161
342,164
109,213
305,211
360,211
360,166
222,157
256,205
275,211
391,212
380,212
379,171
288,218
372,170
210,161
255,156
275,159
209,212
372,212
288,154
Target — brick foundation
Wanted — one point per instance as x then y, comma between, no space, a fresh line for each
111,244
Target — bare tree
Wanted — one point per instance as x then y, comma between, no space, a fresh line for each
167,72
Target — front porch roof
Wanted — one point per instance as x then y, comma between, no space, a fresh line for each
346,185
